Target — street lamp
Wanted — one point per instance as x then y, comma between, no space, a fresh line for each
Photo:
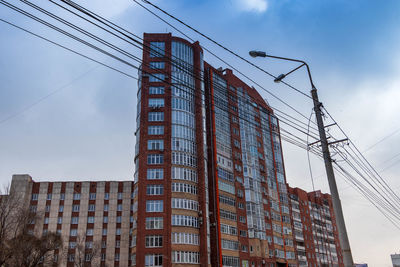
337,206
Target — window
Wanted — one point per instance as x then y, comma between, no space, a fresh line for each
62,196
228,215
90,219
230,261
118,231
155,144
154,206
105,219
59,220
77,196
75,208
185,238
35,196
116,258
156,65
156,116
185,257
156,102
184,188
46,220
155,130
71,257
184,174
236,143
106,196
187,204
119,196
104,232
154,241
156,90
117,243
89,232
74,220
154,222
92,207
157,49
73,232
228,229
184,159
92,196
89,244
224,174
183,220
155,159
153,260
156,77
229,244
105,207
133,242
226,187
227,200
47,208
155,174
49,196
61,208
119,207
33,208
183,118
155,189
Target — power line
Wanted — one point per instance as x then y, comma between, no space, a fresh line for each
218,44
69,49
381,140
228,64
149,74
28,107
101,19
100,40
364,160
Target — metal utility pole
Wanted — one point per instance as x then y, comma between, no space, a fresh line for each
337,206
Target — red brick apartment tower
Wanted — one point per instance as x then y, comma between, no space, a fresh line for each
249,206
170,159
315,231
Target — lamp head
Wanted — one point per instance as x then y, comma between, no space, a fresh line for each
254,53
279,78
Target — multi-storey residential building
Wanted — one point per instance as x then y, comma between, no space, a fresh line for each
211,146
210,186
170,155
96,214
314,227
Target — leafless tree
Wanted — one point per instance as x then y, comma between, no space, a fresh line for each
18,245
83,252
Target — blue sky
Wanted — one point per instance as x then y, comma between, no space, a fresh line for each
85,130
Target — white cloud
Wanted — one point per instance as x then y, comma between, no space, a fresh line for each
258,6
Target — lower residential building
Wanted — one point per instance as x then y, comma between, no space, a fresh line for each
89,216
103,215
314,227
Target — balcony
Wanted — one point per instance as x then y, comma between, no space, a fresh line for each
302,258
299,237
301,248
